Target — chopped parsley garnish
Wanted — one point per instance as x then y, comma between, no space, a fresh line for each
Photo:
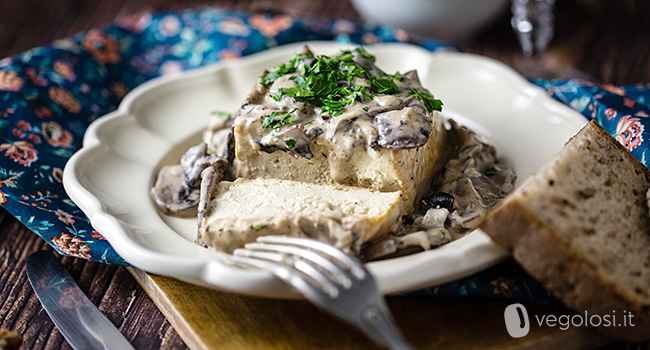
334,103
297,92
385,86
291,143
397,76
365,53
286,68
276,120
329,83
222,114
346,57
258,227
430,103
490,171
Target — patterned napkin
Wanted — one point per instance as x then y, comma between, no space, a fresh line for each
49,96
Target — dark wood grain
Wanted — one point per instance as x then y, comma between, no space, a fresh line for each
236,321
109,287
606,39
29,23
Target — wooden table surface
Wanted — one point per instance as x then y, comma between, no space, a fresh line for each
606,39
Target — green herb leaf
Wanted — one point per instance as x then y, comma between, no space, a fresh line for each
329,83
276,120
385,86
269,77
365,53
491,171
346,57
258,227
397,76
430,103
299,93
291,143
222,114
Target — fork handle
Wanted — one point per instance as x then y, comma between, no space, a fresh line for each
382,327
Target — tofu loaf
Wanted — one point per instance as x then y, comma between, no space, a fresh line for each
581,226
238,212
340,120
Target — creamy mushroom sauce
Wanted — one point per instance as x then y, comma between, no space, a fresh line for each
393,121
471,182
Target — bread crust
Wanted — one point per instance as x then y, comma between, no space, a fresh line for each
562,271
552,260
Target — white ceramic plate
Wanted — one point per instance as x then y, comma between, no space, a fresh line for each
110,177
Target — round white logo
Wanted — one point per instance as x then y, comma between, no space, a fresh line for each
517,322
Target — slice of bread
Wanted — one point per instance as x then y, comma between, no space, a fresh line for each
581,226
240,211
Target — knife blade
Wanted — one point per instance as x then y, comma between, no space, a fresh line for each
76,317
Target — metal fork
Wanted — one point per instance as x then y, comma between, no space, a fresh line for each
329,278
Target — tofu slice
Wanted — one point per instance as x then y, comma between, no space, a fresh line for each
238,212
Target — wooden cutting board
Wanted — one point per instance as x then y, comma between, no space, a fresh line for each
211,319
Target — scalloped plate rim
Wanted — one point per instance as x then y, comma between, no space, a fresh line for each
210,273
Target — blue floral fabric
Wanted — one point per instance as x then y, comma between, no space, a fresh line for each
49,96
623,111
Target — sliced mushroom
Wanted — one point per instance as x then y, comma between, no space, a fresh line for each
196,159
388,247
413,76
210,177
377,250
426,239
221,143
404,128
172,195
352,130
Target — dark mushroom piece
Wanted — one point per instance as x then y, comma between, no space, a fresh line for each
413,76
176,190
387,248
380,249
222,143
405,128
171,194
210,177
439,200
196,159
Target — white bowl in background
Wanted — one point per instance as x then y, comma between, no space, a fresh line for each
449,20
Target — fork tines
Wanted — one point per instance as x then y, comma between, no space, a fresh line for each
322,265
329,278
